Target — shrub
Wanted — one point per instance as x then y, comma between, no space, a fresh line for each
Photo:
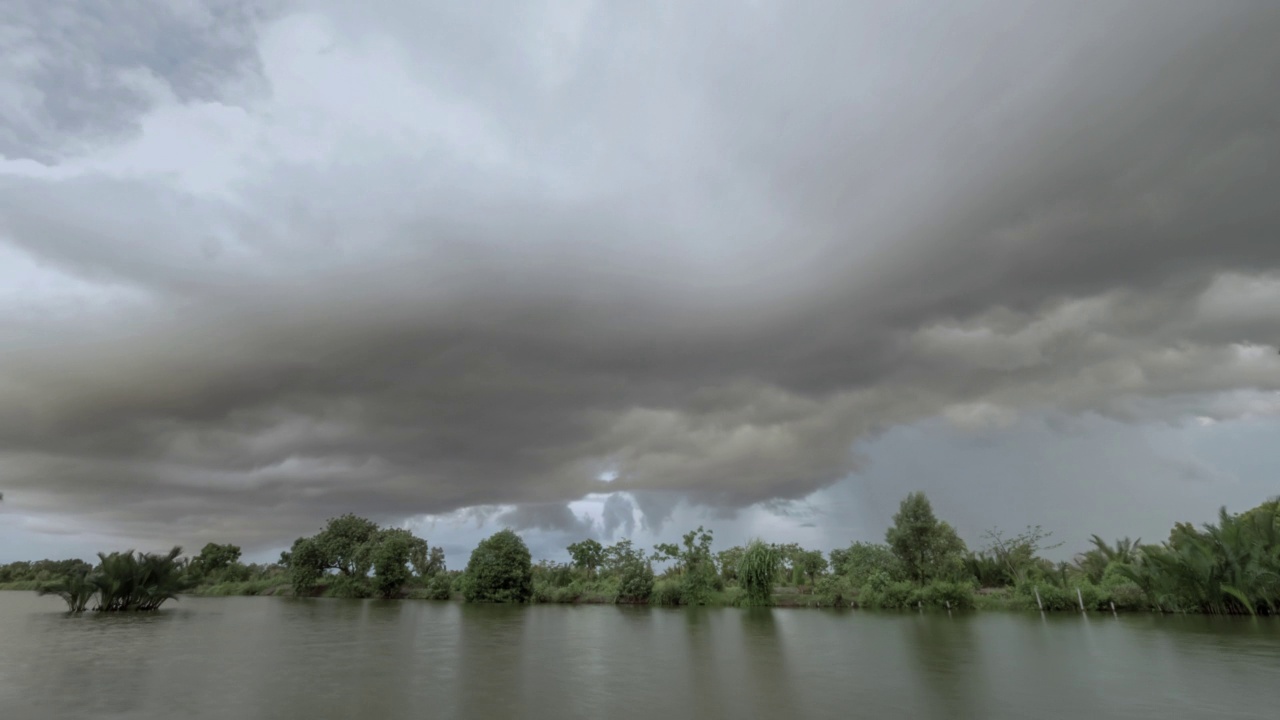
1052,596
665,592
439,588
635,581
345,586
889,596
832,591
698,584
941,594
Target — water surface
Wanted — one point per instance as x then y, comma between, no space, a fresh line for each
248,658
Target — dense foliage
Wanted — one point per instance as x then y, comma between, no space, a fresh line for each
121,581
758,570
927,548
500,570
354,557
1231,566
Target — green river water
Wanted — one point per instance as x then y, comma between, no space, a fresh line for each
249,658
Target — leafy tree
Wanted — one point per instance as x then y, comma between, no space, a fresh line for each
728,561
757,569
632,569
927,548
667,552
697,567
307,563
1019,555
500,570
427,562
588,555
214,557
809,564
860,560
391,550
344,544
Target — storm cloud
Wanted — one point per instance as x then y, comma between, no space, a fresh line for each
265,264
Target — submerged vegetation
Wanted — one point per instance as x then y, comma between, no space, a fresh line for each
1228,567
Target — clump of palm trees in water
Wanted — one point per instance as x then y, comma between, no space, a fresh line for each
122,581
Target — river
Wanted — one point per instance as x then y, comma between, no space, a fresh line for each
247,658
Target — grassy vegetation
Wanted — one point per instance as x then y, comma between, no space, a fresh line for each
1231,566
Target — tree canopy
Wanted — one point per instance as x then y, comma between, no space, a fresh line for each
500,570
927,548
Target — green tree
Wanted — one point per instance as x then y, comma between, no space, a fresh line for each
861,560
390,552
1019,555
344,544
757,570
728,561
632,570
697,567
500,570
427,561
587,555
927,548
214,557
809,564
307,564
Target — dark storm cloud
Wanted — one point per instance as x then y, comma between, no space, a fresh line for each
706,250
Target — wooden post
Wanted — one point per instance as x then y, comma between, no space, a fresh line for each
1038,603
1080,598
1113,607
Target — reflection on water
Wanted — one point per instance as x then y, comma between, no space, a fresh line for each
948,661
317,659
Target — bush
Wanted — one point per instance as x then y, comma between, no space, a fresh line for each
899,595
832,591
665,592
439,587
1053,596
500,570
344,586
635,581
698,585
941,594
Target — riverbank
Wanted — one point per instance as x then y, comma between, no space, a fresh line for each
986,599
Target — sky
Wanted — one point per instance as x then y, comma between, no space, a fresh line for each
591,269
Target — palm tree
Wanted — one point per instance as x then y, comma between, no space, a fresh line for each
141,581
76,589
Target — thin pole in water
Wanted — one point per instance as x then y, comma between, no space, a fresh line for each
1113,607
1038,603
1080,598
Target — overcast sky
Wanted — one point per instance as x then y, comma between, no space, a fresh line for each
619,269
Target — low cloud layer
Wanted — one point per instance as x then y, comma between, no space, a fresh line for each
261,265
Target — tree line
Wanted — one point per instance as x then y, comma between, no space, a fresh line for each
1231,566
